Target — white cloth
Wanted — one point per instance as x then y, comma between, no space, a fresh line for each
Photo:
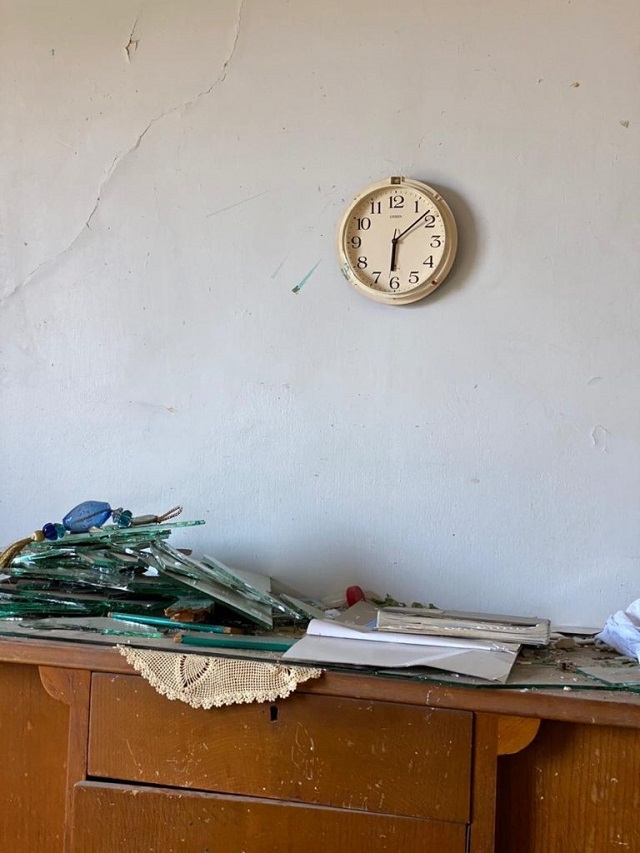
622,631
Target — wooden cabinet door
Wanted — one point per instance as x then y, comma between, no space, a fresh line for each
34,731
118,818
322,750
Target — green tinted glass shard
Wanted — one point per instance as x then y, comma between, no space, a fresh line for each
27,608
254,586
31,557
97,625
72,574
193,573
113,534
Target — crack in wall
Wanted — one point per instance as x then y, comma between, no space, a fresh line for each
120,158
225,65
236,204
132,45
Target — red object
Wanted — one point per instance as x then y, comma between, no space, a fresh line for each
354,595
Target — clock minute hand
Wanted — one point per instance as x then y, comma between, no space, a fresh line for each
413,224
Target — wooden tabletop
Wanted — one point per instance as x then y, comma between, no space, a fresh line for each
598,706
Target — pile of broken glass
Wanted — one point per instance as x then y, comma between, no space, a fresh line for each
129,580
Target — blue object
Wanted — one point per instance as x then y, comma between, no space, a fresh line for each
85,516
122,517
50,532
53,531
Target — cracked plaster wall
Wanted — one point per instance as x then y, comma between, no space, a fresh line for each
173,172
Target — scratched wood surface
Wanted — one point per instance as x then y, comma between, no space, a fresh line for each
114,818
575,789
347,753
606,707
33,734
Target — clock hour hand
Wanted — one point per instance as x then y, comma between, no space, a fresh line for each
394,249
413,225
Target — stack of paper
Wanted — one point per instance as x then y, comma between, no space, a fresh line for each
353,639
529,630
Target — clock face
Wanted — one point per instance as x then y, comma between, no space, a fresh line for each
397,241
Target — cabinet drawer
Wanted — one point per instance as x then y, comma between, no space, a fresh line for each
348,753
109,817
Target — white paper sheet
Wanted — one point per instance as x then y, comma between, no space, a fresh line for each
352,639
492,665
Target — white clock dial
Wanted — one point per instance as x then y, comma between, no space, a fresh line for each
397,241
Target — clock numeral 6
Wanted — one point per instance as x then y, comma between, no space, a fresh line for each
414,278
356,242
362,262
394,282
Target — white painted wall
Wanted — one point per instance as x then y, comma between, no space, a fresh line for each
479,449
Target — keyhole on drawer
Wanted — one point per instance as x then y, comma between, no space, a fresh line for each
273,713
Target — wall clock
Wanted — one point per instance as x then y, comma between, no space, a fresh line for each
397,241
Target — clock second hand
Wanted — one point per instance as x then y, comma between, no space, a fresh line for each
396,237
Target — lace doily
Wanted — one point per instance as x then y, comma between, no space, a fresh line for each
208,682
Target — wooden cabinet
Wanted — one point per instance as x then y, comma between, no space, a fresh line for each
95,761
301,773
378,757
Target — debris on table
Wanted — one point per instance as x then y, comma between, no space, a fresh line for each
88,579
126,578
